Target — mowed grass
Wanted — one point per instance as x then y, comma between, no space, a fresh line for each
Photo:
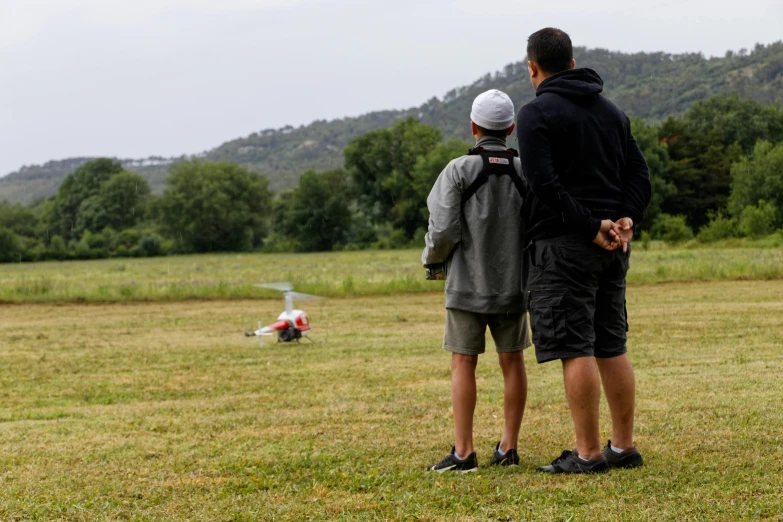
163,411
339,274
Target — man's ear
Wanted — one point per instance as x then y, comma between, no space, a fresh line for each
474,129
532,68
573,63
511,129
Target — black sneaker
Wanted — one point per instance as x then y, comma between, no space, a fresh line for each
452,463
629,458
570,462
509,458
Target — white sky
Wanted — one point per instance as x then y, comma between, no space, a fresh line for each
134,78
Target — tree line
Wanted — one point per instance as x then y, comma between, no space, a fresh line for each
717,172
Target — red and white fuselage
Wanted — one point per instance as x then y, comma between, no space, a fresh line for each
296,319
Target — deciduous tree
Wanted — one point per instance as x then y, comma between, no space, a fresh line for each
208,207
316,215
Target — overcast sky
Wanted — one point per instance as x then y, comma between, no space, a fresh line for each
134,78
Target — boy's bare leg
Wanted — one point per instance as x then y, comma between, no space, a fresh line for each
583,390
620,389
463,401
514,397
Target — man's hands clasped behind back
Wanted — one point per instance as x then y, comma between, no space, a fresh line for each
615,234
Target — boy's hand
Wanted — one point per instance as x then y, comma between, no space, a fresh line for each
436,272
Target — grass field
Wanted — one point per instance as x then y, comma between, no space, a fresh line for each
339,274
158,411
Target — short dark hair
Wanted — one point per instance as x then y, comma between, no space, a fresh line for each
502,134
551,49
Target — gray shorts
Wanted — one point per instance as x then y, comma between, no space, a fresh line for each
466,331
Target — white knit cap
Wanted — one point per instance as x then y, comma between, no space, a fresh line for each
493,110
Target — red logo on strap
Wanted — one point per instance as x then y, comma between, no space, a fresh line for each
502,161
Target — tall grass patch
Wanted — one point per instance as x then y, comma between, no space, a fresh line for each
338,274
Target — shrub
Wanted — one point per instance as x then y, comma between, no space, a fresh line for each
168,247
109,236
758,177
151,245
719,227
81,248
645,238
10,246
96,240
57,249
127,238
362,234
418,238
37,252
672,229
277,243
758,221
90,246
390,239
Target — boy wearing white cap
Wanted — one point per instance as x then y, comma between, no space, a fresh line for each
476,235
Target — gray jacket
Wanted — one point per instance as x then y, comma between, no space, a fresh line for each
482,243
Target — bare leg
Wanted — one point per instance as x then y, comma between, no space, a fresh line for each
514,397
463,400
583,390
620,389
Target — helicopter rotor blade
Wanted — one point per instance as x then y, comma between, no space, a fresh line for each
282,287
304,297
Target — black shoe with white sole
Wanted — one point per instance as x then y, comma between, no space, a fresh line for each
452,463
570,462
509,458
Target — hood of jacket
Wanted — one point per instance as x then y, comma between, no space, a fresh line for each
579,85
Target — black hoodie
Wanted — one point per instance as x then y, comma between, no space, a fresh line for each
580,158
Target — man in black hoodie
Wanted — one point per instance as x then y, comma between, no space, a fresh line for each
589,184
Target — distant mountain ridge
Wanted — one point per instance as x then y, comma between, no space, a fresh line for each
652,86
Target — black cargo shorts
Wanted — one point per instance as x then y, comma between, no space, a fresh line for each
576,297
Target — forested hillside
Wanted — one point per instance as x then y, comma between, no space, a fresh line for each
651,86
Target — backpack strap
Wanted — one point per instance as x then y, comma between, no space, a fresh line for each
498,163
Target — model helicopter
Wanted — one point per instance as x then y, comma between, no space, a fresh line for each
292,324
